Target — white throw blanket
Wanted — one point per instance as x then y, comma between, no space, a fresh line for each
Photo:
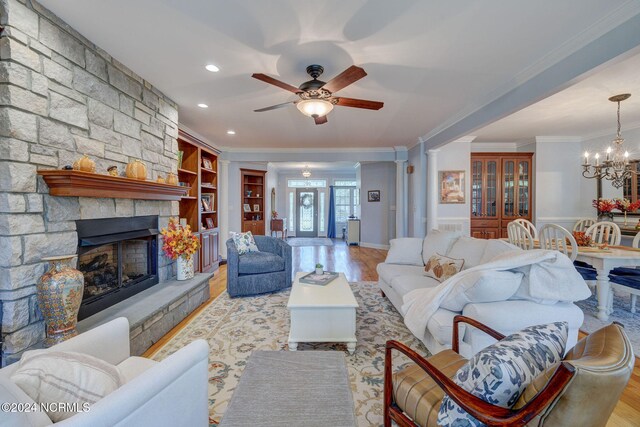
549,275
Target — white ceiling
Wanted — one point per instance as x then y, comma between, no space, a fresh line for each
426,60
582,110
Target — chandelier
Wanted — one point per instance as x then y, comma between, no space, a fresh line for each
306,172
615,166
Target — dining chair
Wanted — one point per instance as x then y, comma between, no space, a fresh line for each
626,280
519,236
583,224
529,226
555,237
605,232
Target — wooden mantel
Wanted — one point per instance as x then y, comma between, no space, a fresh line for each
73,183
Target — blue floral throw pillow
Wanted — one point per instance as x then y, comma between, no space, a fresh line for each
500,373
244,242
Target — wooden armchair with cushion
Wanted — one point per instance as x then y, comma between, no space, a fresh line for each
582,390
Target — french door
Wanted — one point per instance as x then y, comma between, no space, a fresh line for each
307,212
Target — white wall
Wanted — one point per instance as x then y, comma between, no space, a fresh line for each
558,183
235,200
456,156
282,196
378,218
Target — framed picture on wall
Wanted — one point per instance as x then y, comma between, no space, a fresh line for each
451,185
373,196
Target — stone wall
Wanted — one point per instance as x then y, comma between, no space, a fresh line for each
61,96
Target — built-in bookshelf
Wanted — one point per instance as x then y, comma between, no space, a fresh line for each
253,201
198,169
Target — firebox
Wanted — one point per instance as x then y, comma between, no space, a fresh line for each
118,258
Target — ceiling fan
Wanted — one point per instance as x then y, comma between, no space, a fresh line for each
317,97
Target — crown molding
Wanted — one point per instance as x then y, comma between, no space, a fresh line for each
467,138
308,150
205,140
550,138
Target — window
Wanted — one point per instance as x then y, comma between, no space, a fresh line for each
321,213
307,183
344,183
291,211
345,202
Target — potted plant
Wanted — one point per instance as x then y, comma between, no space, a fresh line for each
626,206
604,208
319,269
179,243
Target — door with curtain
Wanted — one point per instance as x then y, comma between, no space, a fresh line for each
307,212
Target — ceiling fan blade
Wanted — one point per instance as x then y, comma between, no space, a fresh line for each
274,107
272,81
321,120
344,79
360,103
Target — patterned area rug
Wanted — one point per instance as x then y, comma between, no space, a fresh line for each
236,327
309,241
621,313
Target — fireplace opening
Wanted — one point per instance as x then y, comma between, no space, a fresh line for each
118,258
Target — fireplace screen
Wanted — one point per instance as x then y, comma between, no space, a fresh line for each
100,266
118,258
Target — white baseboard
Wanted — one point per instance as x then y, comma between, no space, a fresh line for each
374,245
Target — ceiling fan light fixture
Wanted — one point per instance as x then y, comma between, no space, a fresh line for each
314,107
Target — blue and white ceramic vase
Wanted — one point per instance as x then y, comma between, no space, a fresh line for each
60,295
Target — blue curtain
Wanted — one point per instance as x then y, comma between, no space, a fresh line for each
331,223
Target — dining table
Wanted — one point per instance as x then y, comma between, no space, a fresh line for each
603,261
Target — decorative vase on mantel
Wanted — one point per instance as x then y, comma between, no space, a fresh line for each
59,295
185,267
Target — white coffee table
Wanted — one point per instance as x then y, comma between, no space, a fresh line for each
322,313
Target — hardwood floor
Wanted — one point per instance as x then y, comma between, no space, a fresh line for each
359,264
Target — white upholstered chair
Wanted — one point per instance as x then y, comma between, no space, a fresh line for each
605,232
519,236
168,393
555,237
529,226
583,224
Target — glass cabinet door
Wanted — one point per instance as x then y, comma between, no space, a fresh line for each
476,188
524,188
492,188
508,188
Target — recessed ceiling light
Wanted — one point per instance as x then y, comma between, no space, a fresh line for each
212,68
203,105
231,132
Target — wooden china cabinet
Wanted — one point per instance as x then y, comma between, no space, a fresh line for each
501,191
253,187
198,169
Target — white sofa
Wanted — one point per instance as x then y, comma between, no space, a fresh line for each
173,392
403,271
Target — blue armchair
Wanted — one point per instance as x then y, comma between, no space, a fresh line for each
259,272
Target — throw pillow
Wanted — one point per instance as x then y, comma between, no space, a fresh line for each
244,242
500,373
65,377
405,251
437,242
441,267
482,286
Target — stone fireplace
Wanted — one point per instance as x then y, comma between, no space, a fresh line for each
118,258
62,97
